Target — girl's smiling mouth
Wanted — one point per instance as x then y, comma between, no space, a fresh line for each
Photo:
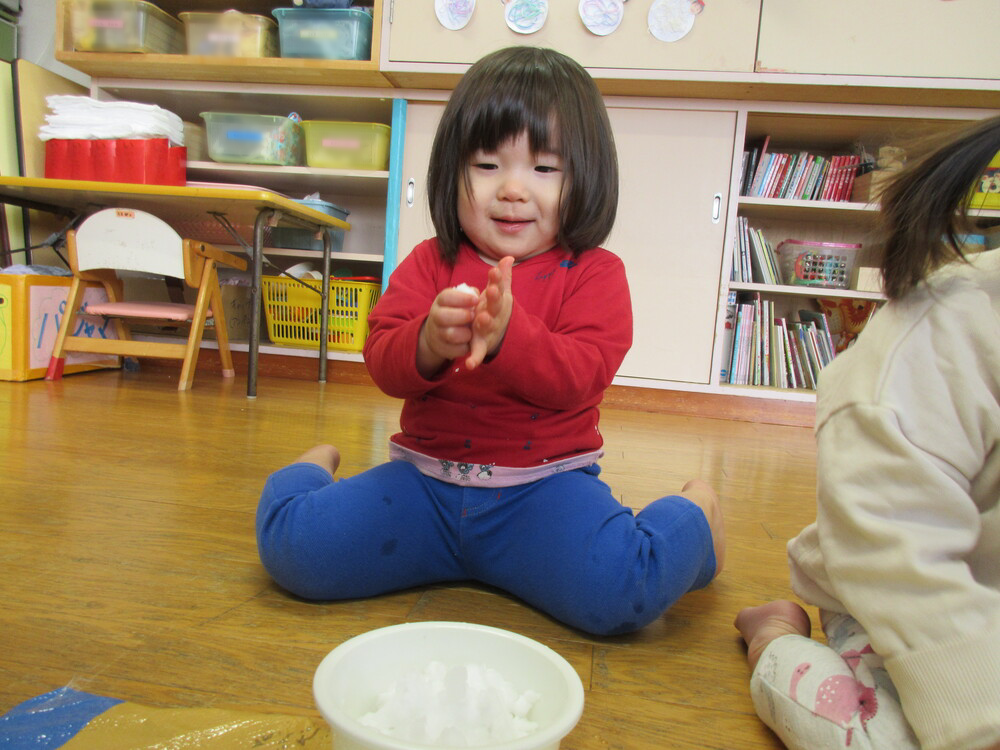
511,225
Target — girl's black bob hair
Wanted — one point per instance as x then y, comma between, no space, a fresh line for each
555,101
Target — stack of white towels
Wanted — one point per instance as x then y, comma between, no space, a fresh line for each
81,117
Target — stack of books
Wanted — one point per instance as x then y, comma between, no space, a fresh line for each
754,257
766,350
798,176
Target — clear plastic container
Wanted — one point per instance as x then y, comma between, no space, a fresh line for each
230,34
253,139
821,264
326,33
305,239
346,145
125,26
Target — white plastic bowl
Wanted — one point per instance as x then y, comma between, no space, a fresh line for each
350,678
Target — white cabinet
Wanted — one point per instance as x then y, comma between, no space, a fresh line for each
927,38
723,37
674,189
414,215
675,176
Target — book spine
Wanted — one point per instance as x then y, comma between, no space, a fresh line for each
746,340
808,368
772,258
745,249
796,174
830,179
790,379
755,345
762,167
772,164
793,348
838,190
852,174
749,170
800,186
812,189
760,270
728,338
810,178
782,189
776,174
767,311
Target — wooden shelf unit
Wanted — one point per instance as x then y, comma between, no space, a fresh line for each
820,129
250,70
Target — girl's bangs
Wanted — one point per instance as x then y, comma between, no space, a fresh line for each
503,116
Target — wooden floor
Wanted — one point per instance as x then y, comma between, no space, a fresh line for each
128,565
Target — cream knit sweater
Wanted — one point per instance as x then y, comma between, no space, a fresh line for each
907,536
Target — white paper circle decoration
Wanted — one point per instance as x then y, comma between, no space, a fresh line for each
602,17
670,20
526,16
454,14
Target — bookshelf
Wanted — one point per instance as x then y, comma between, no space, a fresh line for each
750,301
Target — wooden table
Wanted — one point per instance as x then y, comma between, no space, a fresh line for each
240,206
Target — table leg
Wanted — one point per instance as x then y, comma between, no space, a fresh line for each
325,315
263,217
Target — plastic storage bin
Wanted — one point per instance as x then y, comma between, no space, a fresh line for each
230,34
125,26
822,264
346,145
304,239
327,33
253,139
292,312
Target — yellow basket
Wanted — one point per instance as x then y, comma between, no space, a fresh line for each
293,312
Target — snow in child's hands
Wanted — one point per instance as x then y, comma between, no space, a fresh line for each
465,288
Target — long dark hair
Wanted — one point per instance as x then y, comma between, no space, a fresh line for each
925,204
550,97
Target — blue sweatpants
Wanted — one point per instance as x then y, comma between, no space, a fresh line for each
562,544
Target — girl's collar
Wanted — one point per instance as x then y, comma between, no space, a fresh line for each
493,261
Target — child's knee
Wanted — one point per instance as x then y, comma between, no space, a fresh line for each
611,603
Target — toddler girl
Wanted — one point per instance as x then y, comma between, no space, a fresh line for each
501,335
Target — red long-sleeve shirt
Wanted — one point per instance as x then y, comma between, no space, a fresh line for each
536,400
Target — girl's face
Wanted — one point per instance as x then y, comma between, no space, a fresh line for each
511,203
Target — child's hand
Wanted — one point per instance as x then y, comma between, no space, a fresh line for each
492,314
447,332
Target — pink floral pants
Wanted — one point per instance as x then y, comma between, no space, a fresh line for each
816,696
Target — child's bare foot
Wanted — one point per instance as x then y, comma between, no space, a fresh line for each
701,494
324,456
761,625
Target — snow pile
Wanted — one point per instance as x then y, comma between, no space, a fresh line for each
467,705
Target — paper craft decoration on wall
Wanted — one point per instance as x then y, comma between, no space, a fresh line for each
602,17
525,16
670,20
454,14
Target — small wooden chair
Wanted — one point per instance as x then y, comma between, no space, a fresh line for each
119,239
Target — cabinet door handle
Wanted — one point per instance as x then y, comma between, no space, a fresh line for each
411,189
716,208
